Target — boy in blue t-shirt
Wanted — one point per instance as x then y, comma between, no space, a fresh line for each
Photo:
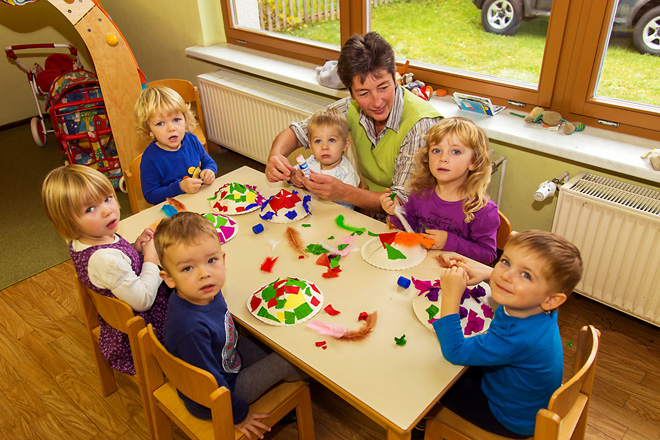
199,328
520,355
175,162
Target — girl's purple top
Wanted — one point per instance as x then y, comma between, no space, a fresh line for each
114,344
476,240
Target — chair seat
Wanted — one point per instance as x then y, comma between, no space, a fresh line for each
455,428
168,401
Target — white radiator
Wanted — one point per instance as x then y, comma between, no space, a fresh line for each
616,226
245,114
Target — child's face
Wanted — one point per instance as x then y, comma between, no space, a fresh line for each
197,270
98,221
518,283
327,146
450,160
168,130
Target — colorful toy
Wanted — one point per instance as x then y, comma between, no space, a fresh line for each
553,120
403,282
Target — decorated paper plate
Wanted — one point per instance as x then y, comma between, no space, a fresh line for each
235,198
285,207
391,255
477,308
286,301
226,227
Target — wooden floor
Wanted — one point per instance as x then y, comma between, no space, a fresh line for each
49,389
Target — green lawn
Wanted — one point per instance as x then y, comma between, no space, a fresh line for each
448,33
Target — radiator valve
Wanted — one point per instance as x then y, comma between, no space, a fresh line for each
546,189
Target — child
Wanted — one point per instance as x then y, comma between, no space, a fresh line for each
199,328
80,202
175,162
521,353
448,198
327,131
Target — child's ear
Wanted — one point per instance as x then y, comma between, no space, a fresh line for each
346,145
168,280
553,301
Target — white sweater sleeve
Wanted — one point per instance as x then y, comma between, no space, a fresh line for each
111,269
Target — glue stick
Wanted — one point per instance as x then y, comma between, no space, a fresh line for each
303,165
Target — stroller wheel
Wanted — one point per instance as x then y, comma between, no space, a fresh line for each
38,131
122,185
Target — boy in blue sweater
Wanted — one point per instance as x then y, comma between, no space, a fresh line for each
199,328
520,355
175,162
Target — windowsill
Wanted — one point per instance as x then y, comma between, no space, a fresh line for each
615,152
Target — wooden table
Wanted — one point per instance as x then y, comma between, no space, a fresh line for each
393,385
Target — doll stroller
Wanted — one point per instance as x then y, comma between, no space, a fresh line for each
77,111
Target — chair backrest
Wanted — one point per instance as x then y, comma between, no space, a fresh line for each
566,416
121,317
197,384
503,231
190,94
134,186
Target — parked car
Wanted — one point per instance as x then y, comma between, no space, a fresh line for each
641,16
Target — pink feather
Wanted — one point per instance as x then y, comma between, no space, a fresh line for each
322,328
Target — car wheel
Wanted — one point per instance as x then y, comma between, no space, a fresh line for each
501,17
646,35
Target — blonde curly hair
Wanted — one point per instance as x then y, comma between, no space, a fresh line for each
475,186
160,100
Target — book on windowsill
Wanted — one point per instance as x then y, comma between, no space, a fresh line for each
477,104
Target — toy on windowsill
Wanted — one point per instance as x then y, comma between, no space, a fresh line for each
654,157
416,87
552,120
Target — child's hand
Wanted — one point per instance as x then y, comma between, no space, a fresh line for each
453,283
296,178
207,176
439,238
190,185
476,274
252,424
146,236
387,203
149,252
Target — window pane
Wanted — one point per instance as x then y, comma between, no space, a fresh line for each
630,66
452,34
308,19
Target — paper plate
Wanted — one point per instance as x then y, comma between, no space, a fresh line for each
235,198
375,254
286,301
226,227
286,207
473,308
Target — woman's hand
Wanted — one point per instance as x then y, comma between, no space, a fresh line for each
324,186
252,424
297,178
278,168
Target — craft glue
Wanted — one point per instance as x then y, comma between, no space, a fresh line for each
303,165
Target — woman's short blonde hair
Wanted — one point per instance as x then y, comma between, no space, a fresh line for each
163,100
66,190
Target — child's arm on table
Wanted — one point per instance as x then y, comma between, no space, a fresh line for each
190,185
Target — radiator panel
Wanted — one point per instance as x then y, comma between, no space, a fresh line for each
616,226
245,114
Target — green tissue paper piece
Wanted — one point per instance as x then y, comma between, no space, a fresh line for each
432,311
303,310
373,234
394,254
306,225
264,314
332,237
316,249
334,261
400,341
342,246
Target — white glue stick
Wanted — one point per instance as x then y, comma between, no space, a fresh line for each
303,165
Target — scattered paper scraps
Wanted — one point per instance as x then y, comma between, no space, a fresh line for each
267,265
363,316
432,310
306,225
322,344
400,341
430,289
285,207
331,310
344,248
286,301
339,220
235,198
394,254
342,333
330,261
316,249
474,324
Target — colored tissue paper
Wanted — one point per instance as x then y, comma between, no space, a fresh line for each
363,316
320,343
488,312
400,341
432,310
394,254
331,311
306,225
474,325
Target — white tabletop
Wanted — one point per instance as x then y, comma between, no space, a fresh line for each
394,385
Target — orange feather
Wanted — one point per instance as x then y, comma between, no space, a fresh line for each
293,237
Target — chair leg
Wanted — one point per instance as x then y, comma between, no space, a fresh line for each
106,373
304,415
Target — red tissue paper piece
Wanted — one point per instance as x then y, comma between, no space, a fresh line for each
330,274
387,238
267,265
322,344
363,316
300,257
323,261
330,310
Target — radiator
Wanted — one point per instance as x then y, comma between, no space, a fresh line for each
616,226
245,114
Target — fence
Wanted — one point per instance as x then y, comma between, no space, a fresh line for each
275,15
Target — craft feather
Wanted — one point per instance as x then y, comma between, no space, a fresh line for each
293,237
339,220
400,213
180,207
410,239
273,242
267,265
336,331
342,333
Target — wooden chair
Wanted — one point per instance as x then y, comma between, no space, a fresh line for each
190,95
201,386
565,418
503,231
134,186
120,316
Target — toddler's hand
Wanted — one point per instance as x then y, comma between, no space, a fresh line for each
453,283
439,238
387,203
190,185
207,176
252,424
144,238
149,252
296,178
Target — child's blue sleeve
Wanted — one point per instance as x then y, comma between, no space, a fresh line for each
150,179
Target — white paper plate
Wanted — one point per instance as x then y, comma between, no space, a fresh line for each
227,227
375,254
421,303
231,207
286,215
296,308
